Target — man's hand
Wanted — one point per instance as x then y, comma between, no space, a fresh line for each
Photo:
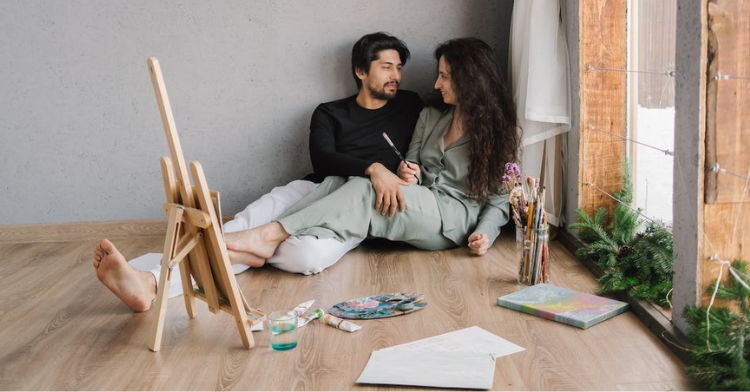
388,195
409,172
478,243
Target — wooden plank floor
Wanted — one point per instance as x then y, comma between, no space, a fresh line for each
61,329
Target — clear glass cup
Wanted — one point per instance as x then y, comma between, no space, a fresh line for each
283,327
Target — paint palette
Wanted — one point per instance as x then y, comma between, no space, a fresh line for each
379,306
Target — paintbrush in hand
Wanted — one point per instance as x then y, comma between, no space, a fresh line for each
385,135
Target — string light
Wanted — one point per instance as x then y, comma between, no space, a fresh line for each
735,274
719,76
666,152
628,205
713,297
716,168
665,73
667,297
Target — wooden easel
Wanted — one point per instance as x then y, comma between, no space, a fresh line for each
194,237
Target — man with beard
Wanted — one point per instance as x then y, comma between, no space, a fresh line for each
345,140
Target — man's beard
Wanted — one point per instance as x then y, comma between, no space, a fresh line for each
382,94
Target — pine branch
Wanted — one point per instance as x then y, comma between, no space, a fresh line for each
625,225
724,364
590,229
641,262
626,194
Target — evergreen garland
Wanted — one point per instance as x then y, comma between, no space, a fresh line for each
724,364
641,262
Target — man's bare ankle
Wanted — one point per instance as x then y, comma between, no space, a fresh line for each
152,283
275,232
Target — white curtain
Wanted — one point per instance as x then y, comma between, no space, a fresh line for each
541,90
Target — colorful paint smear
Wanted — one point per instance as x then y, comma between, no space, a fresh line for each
379,306
563,305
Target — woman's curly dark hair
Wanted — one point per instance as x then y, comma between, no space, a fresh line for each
489,113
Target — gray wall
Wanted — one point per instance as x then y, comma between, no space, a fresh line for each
80,133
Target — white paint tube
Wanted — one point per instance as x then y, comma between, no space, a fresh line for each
302,308
304,320
341,324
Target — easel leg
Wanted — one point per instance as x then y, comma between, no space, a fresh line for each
187,288
218,249
162,292
173,196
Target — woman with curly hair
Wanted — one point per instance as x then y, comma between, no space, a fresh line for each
456,159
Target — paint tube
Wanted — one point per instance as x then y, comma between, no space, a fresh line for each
301,308
341,324
317,313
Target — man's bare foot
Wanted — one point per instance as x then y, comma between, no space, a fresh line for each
261,241
137,289
245,258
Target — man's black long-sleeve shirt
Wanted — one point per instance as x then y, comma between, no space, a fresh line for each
345,138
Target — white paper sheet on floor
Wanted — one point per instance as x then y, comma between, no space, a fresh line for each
458,359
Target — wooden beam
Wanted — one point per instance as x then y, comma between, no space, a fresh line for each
603,45
726,223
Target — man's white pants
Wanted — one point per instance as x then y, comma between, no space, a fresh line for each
302,254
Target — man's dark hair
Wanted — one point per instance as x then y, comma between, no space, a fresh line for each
368,49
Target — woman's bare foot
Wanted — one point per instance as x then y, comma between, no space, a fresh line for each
245,258
261,241
137,289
